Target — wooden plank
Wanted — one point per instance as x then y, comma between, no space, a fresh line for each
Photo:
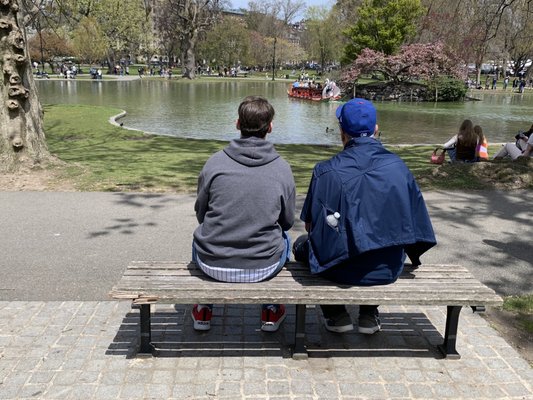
293,282
307,281
408,273
182,273
167,297
411,288
291,266
243,297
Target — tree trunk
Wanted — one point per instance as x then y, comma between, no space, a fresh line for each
322,60
111,61
274,58
189,56
22,139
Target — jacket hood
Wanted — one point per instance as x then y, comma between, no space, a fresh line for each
252,151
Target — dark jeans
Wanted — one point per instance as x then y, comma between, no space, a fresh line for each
332,311
300,249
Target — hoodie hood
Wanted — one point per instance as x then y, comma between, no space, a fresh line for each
251,151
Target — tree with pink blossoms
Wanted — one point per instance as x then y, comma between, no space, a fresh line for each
414,62
431,67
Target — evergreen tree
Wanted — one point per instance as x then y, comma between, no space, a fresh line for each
382,25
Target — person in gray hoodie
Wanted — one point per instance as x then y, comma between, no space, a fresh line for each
245,204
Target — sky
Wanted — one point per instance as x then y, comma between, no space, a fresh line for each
244,3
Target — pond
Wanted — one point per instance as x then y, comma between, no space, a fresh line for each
208,110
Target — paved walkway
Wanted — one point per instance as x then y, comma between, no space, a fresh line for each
60,337
83,350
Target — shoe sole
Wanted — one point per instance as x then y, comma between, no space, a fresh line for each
200,325
369,331
338,329
267,326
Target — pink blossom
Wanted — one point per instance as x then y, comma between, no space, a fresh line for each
419,61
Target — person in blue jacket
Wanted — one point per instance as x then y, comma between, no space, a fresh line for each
363,213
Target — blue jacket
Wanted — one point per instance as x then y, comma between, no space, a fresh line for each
381,210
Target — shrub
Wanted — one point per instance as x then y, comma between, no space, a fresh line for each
446,89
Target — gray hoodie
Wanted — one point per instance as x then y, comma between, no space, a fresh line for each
245,199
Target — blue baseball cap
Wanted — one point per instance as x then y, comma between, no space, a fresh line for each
357,117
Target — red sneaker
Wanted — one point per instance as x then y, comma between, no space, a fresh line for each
201,315
272,316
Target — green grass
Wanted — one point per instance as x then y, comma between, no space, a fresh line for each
103,157
523,306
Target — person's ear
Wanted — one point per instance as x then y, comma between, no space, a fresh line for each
345,138
269,127
238,125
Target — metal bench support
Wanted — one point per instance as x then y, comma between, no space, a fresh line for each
299,352
146,330
450,334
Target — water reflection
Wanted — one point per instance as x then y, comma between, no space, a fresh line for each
209,110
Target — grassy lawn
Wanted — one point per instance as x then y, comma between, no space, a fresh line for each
522,306
103,157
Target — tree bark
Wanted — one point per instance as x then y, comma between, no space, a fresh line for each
111,61
22,139
189,55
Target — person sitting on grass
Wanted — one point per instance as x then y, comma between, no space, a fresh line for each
363,213
523,147
245,204
482,148
462,146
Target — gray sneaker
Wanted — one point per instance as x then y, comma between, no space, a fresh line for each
339,323
369,324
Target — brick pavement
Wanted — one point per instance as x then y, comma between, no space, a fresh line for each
84,350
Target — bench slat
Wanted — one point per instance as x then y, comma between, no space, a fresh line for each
185,274
459,287
472,299
453,284
291,266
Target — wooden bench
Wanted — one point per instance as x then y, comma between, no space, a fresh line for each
453,286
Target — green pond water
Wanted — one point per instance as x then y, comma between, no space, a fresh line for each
208,110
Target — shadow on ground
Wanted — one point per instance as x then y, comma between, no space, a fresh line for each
235,333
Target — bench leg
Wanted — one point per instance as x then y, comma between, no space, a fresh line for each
478,309
450,334
146,330
299,351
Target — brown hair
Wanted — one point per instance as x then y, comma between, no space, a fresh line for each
479,133
255,116
466,134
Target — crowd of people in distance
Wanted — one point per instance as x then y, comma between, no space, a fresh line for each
471,145
519,84
164,72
